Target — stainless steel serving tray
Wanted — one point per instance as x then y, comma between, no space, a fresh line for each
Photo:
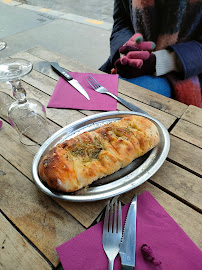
139,171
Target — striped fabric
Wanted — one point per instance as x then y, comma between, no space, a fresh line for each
175,21
167,22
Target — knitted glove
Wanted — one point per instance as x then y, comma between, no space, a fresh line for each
136,43
137,60
135,64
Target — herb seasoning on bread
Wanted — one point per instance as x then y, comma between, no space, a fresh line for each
79,161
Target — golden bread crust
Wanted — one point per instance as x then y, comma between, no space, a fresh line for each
79,161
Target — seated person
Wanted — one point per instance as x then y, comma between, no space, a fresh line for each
157,44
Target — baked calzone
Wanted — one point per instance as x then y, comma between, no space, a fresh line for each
77,162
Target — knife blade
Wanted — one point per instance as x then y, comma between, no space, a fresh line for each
62,72
128,242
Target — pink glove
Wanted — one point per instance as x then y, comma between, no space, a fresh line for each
137,60
136,43
130,66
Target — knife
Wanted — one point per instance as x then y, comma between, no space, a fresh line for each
62,72
128,241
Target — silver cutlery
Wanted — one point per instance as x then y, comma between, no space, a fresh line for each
100,89
62,72
128,241
112,232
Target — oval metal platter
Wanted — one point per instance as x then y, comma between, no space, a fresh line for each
130,177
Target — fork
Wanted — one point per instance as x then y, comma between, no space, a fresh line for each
112,233
100,89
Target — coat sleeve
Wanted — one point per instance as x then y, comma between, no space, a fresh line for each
190,56
122,28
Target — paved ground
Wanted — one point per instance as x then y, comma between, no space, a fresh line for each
79,29
95,9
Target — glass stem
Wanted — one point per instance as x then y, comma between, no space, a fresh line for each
2,45
19,92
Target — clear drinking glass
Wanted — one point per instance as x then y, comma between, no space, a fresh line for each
2,45
26,115
5,102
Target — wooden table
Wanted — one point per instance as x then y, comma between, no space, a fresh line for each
33,224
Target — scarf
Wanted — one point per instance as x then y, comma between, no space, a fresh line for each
167,22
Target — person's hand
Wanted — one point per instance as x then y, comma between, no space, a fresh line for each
137,60
135,64
136,43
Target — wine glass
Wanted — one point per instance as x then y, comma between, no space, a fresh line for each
5,101
26,115
2,45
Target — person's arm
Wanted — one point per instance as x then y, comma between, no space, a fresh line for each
122,28
190,57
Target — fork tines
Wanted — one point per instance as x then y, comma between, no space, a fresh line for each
112,232
109,225
92,81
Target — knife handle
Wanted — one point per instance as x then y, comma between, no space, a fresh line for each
62,73
66,75
127,267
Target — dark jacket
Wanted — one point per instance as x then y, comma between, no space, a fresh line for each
181,19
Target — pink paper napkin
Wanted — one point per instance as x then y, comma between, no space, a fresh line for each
66,96
155,227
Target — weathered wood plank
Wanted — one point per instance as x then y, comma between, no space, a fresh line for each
70,64
46,221
166,119
136,92
52,128
186,154
169,176
181,183
194,115
41,62
188,132
16,153
39,218
157,101
21,157
86,213
187,218
41,82
47,85
16,252
62,117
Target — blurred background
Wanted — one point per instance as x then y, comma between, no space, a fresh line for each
74,28
95,9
